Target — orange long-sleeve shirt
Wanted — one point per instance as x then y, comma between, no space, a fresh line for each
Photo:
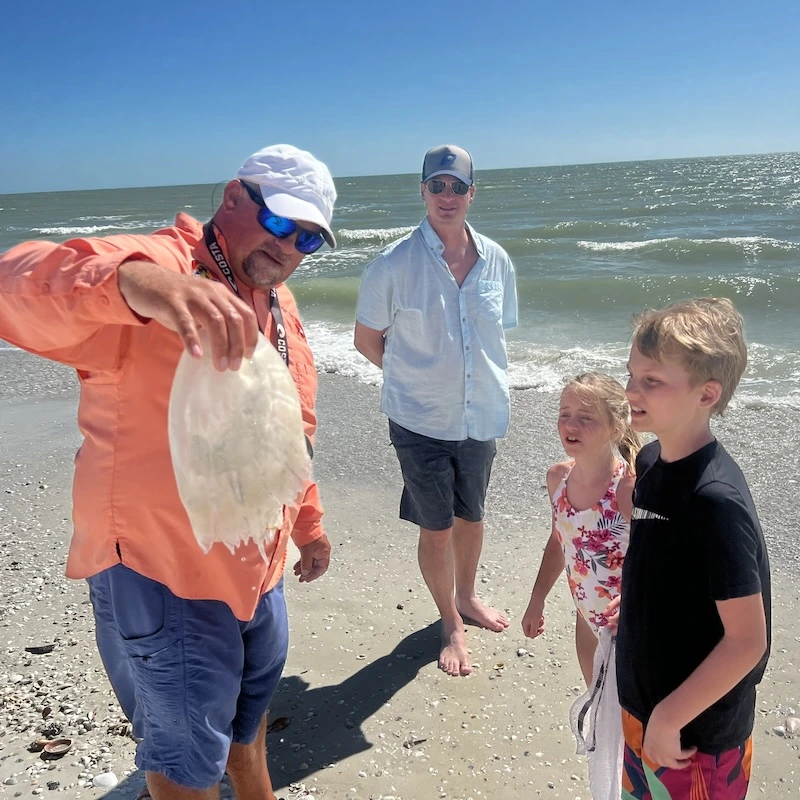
63,302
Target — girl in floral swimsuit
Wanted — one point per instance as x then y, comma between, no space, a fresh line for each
591,495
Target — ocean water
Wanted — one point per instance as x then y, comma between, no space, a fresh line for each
592,245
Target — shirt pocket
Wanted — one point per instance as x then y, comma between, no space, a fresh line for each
490,300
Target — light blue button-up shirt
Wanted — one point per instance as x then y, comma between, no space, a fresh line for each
444,367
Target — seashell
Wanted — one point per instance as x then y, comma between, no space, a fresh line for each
56,748
40,649
38,745
278,724
409,743
105,780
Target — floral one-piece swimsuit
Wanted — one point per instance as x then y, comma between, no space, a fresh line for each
594,542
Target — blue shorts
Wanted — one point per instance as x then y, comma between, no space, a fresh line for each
190,676
441,479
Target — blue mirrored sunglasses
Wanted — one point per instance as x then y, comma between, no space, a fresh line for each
282,227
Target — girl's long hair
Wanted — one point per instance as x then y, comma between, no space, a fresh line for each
601,391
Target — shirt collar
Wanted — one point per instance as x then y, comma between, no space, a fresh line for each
433,241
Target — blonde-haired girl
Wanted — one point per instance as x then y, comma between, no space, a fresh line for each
591,496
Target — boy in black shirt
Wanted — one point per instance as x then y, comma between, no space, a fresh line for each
694,623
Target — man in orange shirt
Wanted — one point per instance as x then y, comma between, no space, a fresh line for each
193,643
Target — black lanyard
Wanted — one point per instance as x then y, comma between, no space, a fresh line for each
274,306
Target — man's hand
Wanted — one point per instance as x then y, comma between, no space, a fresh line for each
314,559
533,619
611,613
186,304
662,744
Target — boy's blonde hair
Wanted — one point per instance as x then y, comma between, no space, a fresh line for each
706,335
601,391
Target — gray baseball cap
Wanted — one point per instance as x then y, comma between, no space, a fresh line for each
447,159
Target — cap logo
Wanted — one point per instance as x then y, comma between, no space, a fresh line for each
447,159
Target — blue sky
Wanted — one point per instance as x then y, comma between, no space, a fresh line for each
106,94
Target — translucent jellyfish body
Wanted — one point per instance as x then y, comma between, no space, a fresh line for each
238,447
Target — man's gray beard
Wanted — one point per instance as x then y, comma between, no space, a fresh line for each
262,276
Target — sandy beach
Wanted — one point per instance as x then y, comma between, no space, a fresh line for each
367,712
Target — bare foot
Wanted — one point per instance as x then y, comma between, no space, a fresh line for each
473,610
454,658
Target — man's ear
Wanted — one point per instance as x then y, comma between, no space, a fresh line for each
233,195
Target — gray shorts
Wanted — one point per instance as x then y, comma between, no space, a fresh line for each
441,479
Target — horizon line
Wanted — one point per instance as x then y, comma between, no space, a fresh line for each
397,174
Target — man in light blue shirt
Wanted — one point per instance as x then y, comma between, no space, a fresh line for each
432,311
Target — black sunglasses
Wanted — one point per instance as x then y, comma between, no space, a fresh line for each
435,186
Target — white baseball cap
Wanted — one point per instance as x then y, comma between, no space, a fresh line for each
293,184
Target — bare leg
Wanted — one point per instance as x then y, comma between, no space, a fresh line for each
247,768
436,563
467,545
586,644
161,788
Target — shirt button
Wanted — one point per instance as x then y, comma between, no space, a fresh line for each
468,402
467,347
469,376
463,319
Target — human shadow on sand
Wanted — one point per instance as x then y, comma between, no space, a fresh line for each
324,722
327,720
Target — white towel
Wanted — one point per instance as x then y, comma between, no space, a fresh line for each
596,722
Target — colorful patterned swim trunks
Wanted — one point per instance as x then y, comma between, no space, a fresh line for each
721,777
